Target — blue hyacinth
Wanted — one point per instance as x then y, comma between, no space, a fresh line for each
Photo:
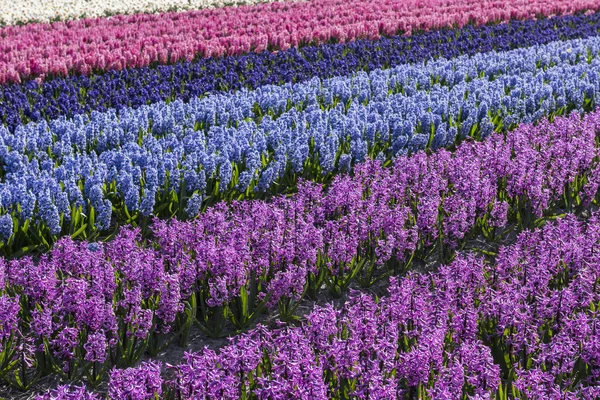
6,227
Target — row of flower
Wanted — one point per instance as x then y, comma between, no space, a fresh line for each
27,11
82,308
524,325
92,45
135,87
73,176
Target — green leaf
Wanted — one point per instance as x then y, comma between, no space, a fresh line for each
79,231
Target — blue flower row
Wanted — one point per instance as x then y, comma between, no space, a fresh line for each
74,175
136,87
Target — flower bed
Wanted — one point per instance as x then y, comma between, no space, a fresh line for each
135,87
91,45
72,176
82,308
523,326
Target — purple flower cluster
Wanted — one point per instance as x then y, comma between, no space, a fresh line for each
524,324
66,392
85,307
142,382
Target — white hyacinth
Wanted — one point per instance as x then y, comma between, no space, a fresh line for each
13,12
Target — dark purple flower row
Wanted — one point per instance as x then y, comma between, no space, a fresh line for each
134,87
523,326
83,308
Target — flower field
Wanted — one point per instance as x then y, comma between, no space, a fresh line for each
317,199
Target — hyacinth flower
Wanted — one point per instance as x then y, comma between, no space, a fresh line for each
86,307
142,382
88,175
135,87
522,324
9,333
80,316
30,12
243,259
69,392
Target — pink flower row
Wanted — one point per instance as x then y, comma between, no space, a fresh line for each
84,46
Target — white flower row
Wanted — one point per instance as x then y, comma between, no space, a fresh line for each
13,12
